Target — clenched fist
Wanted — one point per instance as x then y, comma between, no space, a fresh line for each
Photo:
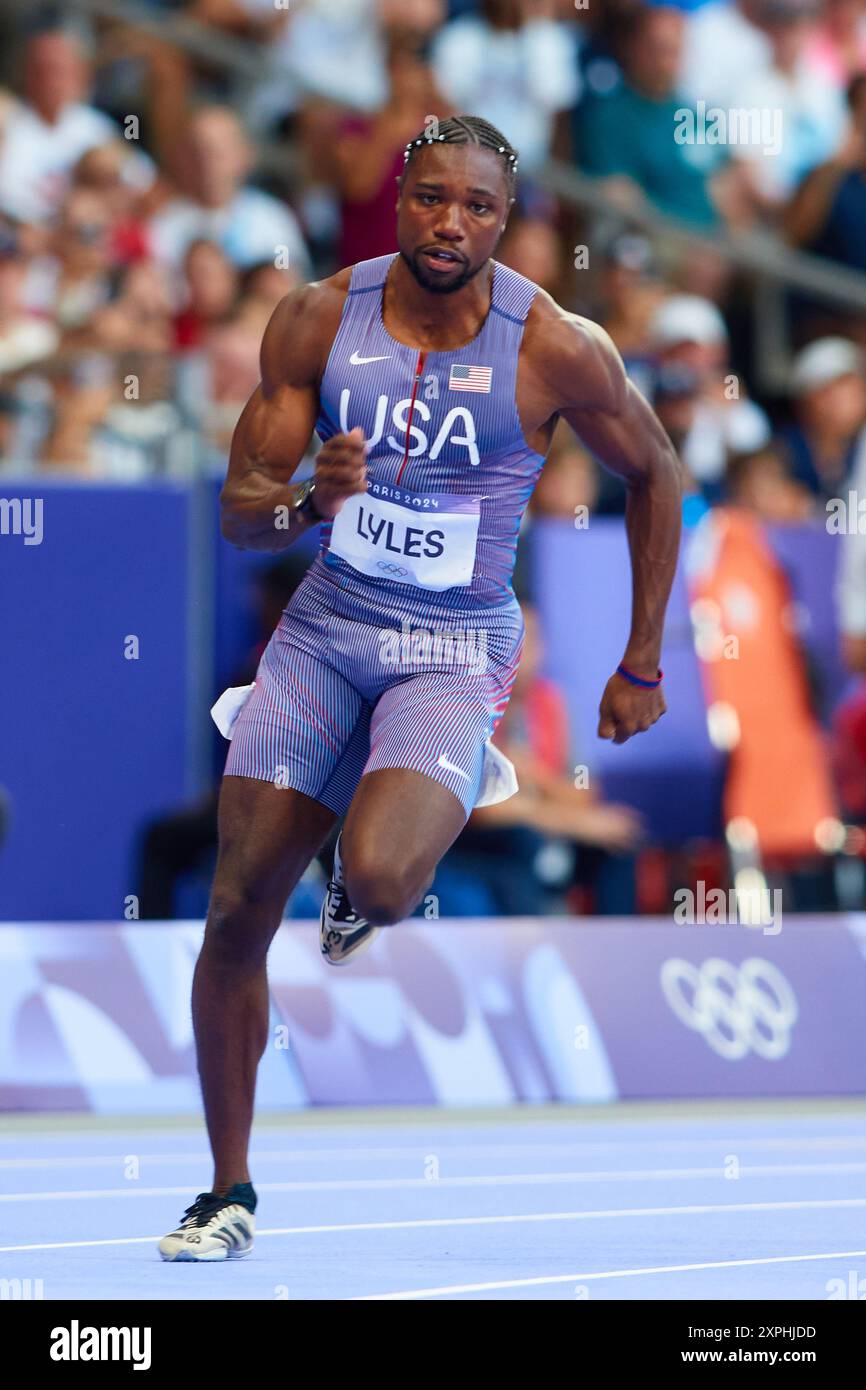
628,709
341,469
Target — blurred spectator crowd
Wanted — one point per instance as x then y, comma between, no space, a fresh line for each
158,197
157,200
159,194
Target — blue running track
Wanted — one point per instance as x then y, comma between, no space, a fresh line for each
758,1201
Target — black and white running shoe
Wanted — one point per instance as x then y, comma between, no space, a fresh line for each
214,1227
342,933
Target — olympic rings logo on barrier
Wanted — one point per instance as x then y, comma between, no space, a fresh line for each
738,1010
390,568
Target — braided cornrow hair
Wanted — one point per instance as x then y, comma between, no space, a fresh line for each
468,130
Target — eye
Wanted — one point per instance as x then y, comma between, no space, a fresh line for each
428,198
479,208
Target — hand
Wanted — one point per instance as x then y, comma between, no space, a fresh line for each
607,826
525,764
341,470
623,191
628,709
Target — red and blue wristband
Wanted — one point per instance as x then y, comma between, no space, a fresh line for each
639,680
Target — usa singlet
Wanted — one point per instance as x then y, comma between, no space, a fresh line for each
400,646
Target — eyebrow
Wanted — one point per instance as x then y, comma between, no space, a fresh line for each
429,183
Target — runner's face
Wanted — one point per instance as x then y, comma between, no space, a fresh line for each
451,213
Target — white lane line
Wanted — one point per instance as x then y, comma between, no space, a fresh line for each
620,1122
528,1218
575,1147
486,1180
605,1274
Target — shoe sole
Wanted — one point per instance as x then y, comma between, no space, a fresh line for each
349,956
358,950
186,1258
368,940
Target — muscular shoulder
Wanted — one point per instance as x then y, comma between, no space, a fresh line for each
574,357
301,330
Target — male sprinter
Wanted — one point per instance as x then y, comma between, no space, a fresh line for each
434,378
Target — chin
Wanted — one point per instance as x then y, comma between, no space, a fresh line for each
434,283
436,286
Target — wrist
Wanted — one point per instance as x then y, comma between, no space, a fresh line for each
643,676
305,504
642,661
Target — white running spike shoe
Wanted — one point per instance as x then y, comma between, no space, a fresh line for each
214,1227
342,933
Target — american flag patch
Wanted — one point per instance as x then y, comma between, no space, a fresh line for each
464,378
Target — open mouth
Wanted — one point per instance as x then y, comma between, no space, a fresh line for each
439,259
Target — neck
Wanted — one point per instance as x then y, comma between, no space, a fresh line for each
828,443
215,199
48,112
436,320
649,91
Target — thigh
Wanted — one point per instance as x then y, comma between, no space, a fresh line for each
304,728
398,827
436,724
267,837
428,733
420,782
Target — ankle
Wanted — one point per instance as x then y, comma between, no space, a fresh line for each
222,1189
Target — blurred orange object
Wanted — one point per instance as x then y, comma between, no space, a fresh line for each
779,776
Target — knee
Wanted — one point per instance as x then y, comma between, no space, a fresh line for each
382,892
239,928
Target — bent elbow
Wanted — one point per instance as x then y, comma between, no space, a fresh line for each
230,525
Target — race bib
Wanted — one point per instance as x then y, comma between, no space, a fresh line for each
409,537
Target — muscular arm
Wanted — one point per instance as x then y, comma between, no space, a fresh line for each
613,420
274,429
809,208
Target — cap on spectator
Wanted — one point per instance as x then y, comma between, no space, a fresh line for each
687,318
823,361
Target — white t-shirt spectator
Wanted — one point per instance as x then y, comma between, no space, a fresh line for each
253,227
719,430
515,78
722,51
327,48
36,158
728,63
812,122
26,341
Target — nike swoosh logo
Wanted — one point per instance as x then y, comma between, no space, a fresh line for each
357,361
443,762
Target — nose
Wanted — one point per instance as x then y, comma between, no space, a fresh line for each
449,224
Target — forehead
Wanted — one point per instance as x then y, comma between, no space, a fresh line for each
659,27
459,167
55,50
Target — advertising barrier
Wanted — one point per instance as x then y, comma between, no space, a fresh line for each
97,1017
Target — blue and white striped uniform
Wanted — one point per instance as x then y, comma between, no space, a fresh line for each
400,646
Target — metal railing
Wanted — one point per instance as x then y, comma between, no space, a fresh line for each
241,56
776,268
